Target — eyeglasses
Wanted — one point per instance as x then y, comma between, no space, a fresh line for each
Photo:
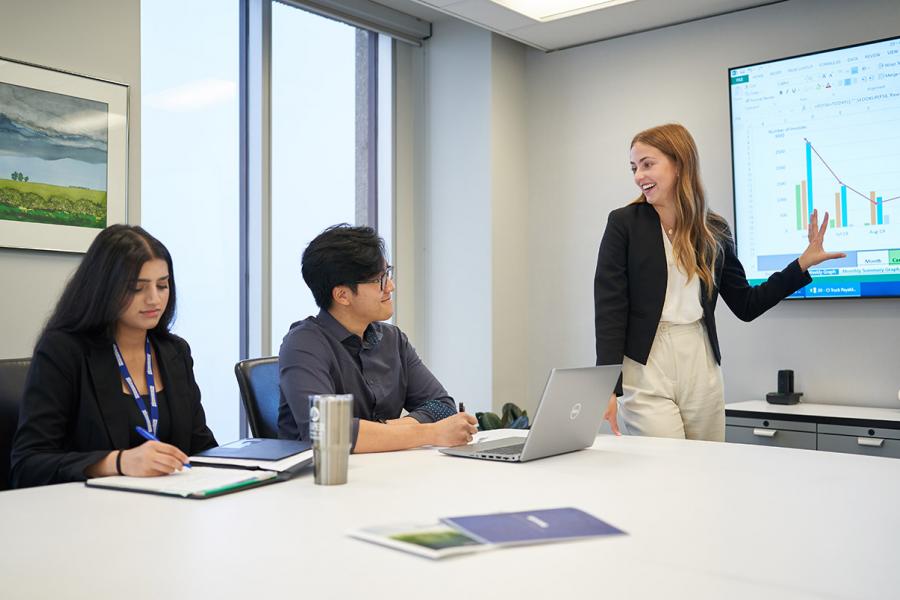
388,273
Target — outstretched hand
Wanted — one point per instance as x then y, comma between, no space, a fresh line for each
815,253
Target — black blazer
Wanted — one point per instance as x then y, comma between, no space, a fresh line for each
72,412
630,286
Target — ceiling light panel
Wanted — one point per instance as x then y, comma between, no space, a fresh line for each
550,10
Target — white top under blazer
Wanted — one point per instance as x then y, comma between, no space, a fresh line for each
682,304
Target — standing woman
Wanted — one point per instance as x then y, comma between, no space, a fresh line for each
105,364
663,261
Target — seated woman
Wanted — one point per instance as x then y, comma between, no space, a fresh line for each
106,365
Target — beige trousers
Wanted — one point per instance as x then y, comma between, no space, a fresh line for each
679,392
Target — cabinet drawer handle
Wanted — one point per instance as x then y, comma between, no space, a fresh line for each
871,442
765,432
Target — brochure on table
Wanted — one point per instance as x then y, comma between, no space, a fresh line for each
476,533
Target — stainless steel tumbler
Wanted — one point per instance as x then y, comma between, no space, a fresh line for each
330,429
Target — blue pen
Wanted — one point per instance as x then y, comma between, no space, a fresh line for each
149,436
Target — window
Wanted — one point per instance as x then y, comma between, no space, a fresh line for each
314,80
190,181
326,109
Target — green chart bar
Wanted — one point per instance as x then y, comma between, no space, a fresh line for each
878,210
799,210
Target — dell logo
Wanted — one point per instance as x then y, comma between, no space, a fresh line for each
576,410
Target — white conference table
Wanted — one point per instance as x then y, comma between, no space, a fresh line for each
704,520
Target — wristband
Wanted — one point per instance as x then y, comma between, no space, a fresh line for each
119,462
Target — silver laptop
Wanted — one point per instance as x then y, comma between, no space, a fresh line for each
568,417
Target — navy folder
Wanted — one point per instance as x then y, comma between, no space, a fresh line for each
257,449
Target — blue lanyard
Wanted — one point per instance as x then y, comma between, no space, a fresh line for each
151,418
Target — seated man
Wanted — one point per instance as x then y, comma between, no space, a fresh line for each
345,349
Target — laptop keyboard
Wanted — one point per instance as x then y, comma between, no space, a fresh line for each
505,451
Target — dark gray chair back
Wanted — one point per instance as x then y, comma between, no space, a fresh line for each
12,386
258,381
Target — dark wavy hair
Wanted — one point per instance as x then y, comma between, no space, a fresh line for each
103,284
341,255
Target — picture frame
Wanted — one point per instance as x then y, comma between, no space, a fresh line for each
63,157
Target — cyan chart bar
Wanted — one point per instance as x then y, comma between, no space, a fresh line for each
809,196
878,212
843,206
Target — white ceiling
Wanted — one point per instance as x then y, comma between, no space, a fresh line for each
583,28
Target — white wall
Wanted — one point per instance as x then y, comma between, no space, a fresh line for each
461,211
100,38
585,104
457,219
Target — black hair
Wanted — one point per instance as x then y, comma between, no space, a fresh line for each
341,255
103,284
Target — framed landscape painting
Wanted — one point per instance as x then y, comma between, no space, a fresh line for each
63,157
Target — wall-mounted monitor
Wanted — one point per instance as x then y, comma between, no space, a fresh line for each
820,131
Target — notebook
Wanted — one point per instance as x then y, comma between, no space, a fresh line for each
196,482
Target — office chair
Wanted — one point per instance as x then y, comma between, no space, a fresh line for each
12,386
258,381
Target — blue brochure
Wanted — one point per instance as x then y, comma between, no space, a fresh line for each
531,527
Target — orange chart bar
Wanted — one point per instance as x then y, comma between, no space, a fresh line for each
873,207
803,204
837,209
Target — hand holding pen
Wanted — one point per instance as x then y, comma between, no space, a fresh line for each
152,458
471,421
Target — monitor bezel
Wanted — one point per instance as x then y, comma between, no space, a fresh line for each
731,146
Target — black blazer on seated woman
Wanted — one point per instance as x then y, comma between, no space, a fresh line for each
74,411
630,286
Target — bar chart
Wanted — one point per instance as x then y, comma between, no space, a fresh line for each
804,202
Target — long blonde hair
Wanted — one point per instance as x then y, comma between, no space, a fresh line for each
698,230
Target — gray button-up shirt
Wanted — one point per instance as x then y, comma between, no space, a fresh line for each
382,371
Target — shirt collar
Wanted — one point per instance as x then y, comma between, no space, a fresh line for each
371,336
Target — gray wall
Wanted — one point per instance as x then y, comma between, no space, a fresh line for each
100,38
509,223
584,105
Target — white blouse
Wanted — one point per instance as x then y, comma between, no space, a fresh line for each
682,303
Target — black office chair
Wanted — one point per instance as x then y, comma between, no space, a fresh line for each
258,381
12,386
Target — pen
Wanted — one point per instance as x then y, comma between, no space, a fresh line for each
149,436
462,409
